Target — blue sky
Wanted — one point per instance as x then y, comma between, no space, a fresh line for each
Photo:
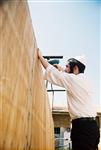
69,28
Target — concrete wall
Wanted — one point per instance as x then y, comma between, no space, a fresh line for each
61,120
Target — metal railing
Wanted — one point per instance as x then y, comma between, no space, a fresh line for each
59,146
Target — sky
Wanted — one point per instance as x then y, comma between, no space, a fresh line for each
69,28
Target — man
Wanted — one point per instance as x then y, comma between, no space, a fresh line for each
85,132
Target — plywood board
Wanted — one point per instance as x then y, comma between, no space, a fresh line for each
25,117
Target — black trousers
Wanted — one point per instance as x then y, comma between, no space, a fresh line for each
85,134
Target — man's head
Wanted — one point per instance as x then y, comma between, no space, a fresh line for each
75,65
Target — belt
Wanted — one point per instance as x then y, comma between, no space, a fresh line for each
84,119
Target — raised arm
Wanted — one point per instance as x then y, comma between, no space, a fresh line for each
43,61
52,74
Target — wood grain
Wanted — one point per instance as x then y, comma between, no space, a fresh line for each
25,117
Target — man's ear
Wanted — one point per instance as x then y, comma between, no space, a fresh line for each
75,67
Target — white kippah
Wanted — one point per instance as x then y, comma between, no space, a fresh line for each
81,59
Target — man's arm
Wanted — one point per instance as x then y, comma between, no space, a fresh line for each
43,61
53,75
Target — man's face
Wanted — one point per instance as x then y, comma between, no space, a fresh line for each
67,69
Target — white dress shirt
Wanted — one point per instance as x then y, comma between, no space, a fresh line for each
79,92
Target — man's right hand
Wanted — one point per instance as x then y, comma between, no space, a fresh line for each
42,60
58,67
39,53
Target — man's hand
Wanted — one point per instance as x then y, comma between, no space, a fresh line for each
39,53
43,61
58,67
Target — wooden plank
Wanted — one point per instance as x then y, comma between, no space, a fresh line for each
25,117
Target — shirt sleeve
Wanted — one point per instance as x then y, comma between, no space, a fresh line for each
58,78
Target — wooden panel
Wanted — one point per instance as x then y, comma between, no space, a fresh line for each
25,116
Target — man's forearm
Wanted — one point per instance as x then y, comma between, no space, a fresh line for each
43,62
